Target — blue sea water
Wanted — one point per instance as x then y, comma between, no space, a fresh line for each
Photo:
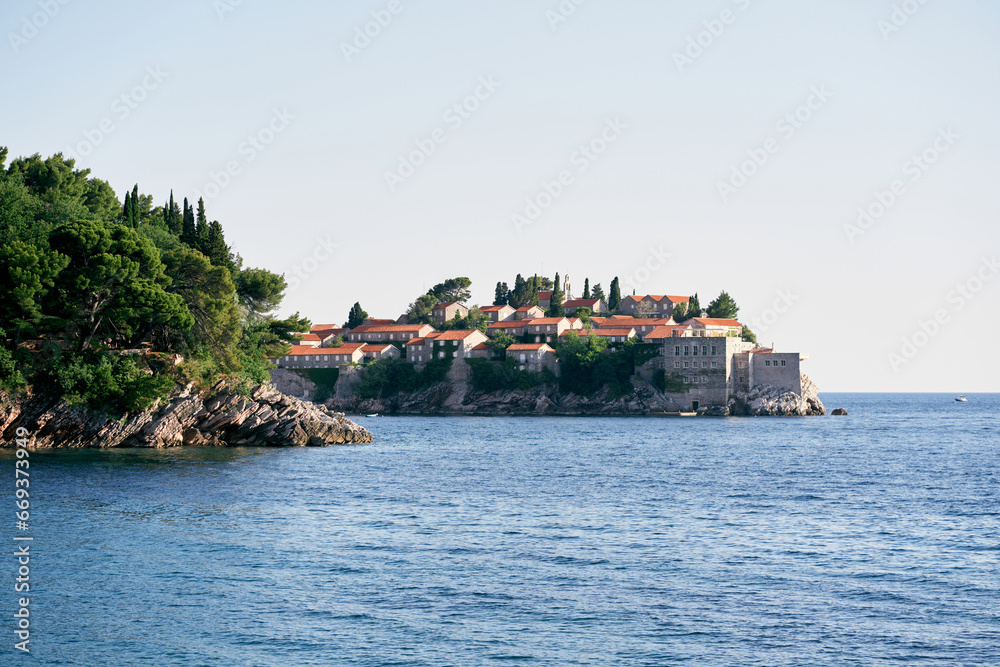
872,539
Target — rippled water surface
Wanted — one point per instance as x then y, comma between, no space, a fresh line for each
870,539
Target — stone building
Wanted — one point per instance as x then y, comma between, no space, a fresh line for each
382,334
447,311
498,313
651,305
532,356
303,356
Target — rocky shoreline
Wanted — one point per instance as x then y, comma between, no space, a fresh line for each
218,417
457,398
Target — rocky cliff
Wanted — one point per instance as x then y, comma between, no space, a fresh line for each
219,417
458,398
766,401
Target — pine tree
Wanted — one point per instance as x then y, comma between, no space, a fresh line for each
517,294
502,295
556,300
615,297
598,293
586,288
356,317
724,307
189,233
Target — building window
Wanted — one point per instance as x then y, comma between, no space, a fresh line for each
714,351
715,364
767,363
704,379
677,350
704,350
685,380
687,350
686,365
677,364
695,350
704,364
782,363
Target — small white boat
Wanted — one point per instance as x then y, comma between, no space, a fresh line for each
961,398
374,415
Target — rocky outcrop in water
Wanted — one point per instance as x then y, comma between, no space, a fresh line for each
767,401
219,417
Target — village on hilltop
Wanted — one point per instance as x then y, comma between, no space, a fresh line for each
704,360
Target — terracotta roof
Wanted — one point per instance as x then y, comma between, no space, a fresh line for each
324,327
376,348
416,341
602,333
445,304
660,332
581,303
309,336
524,309
716,322
678,299
544,320
658,297
456,335
395,328
508,325
528,347
545,295
492,309
619,321
481,346
346,348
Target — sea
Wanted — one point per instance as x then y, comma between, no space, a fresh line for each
870,539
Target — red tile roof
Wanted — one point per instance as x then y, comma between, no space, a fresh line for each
528,347
395,328
545,295
544,320
457,335
619,321
481,346
509,325
716,322
492,309
524,309
581,303
309,336
346,348
324,327
446,304
376,348
661,332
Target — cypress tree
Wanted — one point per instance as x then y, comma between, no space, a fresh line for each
201,227
586,288
215,246
356,317
173,216
556,300
135,206
189,234
502,295
615,296
127,210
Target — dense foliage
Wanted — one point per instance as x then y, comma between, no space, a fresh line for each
488,376
98,293
386,377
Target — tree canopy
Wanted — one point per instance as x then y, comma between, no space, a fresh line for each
723,307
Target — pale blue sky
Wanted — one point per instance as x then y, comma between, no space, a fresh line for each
656,186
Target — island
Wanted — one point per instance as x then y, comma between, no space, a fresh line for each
540,350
